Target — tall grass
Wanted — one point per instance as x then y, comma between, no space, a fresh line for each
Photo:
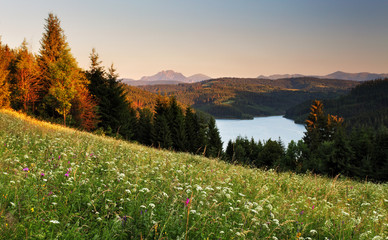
58,183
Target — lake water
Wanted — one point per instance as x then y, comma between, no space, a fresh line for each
260,128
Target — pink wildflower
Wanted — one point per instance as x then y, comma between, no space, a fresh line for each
187,202
26,169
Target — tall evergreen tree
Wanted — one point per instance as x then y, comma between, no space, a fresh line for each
27,83
214,143
177,125
162,136
6,57
62,79
144,127
53,47
115,114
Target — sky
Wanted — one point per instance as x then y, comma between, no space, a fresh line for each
219,38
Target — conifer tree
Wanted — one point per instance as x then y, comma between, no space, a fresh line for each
6,57
144,127
214,143
53,47
177,125
161,130
27,83
115,114
61,77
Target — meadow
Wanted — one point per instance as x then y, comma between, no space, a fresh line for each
59,183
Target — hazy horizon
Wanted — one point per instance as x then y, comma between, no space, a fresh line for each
216,38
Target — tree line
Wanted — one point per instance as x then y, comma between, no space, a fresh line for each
326,148
50,85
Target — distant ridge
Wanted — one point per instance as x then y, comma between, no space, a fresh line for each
362,76
165,77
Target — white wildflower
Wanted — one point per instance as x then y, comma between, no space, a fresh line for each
144,190
313,232
151,205
164,194
242,195
54,203
54,221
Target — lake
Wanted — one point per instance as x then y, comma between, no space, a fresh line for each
260,128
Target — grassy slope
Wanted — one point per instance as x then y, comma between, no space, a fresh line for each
119,190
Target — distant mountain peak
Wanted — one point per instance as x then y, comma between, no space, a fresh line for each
166,77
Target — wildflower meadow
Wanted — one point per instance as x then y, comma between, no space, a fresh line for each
59,183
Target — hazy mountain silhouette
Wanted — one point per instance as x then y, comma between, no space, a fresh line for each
362,76
166,77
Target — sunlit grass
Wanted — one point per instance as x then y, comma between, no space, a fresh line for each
60,183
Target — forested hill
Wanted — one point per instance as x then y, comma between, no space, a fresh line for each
365,105
249,97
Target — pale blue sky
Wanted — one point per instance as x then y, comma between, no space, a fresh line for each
219,38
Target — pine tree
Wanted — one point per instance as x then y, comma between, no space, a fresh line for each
115,114
177,125
144,127
195,132
27,83
162,136
62,79
214,143
6,57
53,47
316,125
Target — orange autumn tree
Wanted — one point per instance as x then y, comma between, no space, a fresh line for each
27,82
64,83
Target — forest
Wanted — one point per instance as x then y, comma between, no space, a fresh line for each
327,148
245,98
366,105
50,85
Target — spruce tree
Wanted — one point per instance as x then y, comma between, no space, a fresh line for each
177,125
144,127
161,130
116,117
27,83
214,143
5,59
62,79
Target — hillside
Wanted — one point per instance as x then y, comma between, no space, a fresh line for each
362,76
365,105
61,183
246,98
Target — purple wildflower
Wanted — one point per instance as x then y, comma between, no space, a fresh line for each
42,174
26,169
67,174
187,202
59,157
313,207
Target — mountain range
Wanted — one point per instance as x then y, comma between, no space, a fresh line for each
166,77
172,77
362,76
